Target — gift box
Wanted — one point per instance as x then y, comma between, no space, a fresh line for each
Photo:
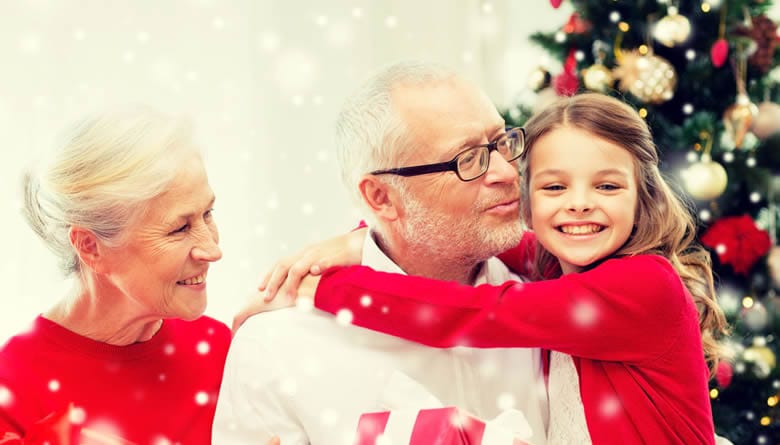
415,417
444,426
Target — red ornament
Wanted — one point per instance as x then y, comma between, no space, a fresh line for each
737,241
556,3
719,52
576,25
566,83
723,374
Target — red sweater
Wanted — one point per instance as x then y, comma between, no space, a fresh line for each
629,324
160,391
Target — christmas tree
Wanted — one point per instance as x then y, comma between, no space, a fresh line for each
704,75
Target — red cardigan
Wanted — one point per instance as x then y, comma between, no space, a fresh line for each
629,324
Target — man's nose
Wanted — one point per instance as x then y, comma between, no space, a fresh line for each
501,170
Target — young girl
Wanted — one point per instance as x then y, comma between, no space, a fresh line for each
631,318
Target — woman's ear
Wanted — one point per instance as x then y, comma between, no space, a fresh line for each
88,248
380,197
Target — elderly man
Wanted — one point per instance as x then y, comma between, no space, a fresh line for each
428,155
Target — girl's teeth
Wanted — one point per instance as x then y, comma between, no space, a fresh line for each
581,230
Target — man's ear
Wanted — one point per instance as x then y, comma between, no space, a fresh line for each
88,247
381,198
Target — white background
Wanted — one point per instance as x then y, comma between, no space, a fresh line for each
262,81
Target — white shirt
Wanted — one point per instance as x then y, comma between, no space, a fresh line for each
302,375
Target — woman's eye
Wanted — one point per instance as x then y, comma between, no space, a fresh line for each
181,229
209,214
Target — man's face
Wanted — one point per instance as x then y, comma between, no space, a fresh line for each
456,219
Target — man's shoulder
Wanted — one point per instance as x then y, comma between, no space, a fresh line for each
284,329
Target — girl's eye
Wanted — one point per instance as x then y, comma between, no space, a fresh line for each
608,187
553,188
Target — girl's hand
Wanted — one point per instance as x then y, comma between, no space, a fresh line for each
258,303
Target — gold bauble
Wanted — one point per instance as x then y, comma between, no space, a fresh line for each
738,118
767,121
705,179
538,79
597,77
762,357
773,264
672,30
650,78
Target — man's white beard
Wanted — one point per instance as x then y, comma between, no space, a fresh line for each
455,238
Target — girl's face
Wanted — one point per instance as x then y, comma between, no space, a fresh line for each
583,196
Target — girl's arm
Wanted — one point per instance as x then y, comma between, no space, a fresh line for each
625,309
520,257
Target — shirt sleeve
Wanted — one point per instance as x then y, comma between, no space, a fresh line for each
252,406
626,309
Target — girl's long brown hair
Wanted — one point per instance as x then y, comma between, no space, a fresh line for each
664,225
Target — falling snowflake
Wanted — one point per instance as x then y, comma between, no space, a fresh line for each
54,385
506,401
584,314
203,347
161,440
344,317
201,398
365,300
77,415
609,406
5,396
169,349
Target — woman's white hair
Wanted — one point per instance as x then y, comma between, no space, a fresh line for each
370,135
109,166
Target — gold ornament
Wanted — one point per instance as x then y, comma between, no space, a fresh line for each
738,118
773,264
761,356
597,77
705,179
673,29
538,79
767,121
650,78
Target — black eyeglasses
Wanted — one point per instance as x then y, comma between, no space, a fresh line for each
472,162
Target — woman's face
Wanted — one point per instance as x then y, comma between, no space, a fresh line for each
162,266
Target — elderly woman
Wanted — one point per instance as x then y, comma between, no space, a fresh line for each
126,355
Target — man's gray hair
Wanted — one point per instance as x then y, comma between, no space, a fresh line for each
370,135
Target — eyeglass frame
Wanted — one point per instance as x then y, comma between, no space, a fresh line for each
452,165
